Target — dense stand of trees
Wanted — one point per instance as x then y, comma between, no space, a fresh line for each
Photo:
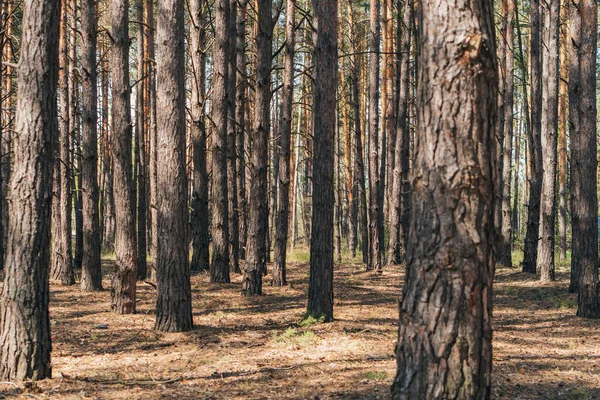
441,136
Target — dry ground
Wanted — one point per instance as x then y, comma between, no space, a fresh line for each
254,348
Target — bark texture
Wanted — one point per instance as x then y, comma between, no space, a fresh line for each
174,293
444,343
25,342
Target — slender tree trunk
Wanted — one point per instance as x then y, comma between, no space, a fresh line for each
500,124
584,163
25,341
62,268
445,336
199,204
505,251
91,271
174,293
124,280
375,182
397,244
240,118
549,140
563,89
219,269
516,220
258,212
535,142
152,132
108,231
320,285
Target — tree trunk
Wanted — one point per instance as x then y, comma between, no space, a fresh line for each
563,89
505,250
582,125
62,267
25,341
240,118
445,336
174,293
535,143
399,200
199,204
91,271
124,279
285,136
549,140
320,285
258,212
375,182
219,269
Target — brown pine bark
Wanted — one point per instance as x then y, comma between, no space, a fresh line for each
240,118
174,293
500,123
219,269
375,178
563,89
91,271
258,212
505,250
444,342
199,203
549,140
535,142
320,285
584,163
25,341
62,265
124,279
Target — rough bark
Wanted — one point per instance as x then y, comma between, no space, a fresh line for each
240,118
108,210
549,141
563,95
25,342
199,203
124,279
219,269
91,272
375,182
320,285
535,143
584,163
174,293
444,343
505,250
258,212
284,140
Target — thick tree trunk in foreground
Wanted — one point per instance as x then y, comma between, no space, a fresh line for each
320,285
124,279
174,297
91,272
535,143
584,163
25,343
285,136
549,141
219,269
199,204
444,341
258,212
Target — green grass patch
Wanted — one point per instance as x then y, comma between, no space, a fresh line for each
376,376
310,320
294,338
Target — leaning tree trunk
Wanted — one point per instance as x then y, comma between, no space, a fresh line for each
174,293
535,143
199,204
549,141
285,136
582,121
445,336
91,272
320,285
25,342
258,212
219,269
124,279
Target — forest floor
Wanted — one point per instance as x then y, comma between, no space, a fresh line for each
256,348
